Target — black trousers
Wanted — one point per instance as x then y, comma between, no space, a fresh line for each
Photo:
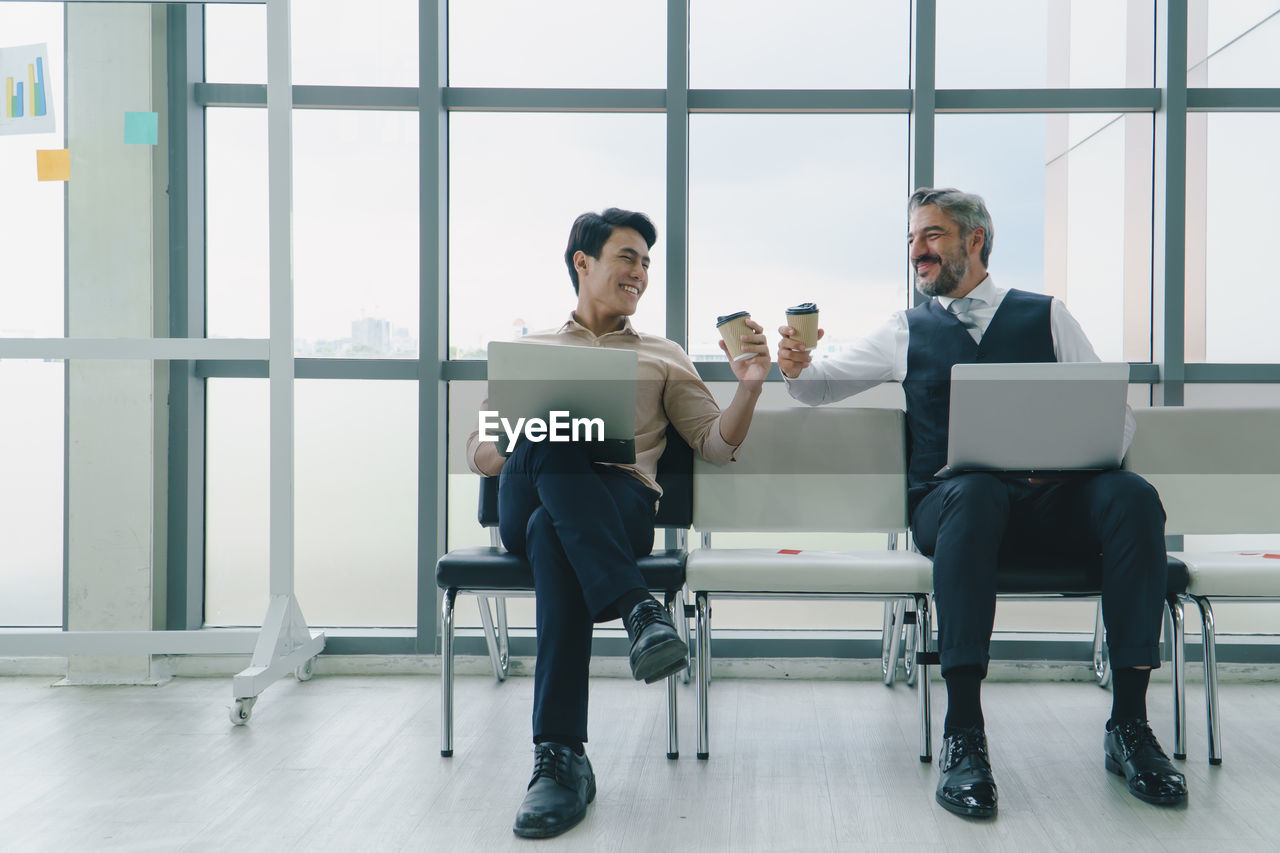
966,522
581,526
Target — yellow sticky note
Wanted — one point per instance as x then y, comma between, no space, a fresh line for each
53,165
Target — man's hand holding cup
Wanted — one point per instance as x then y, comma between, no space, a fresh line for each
799,338
744,343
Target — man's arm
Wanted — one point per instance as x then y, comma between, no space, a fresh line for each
713,434
1071,344
736,419
879,357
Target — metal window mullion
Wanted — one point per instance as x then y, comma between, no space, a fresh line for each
924,32
1046,100
433,309
1170,190
1219,373
677,103
309,97
677,115
466,98
184,605
782,101
1233,100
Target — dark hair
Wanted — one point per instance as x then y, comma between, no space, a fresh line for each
968,211
591,231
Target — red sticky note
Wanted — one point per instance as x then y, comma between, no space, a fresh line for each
788,551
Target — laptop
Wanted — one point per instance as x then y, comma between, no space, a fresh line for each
581,394
1036,420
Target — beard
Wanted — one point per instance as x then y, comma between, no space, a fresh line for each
951,271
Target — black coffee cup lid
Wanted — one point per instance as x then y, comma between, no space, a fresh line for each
803,308
720,321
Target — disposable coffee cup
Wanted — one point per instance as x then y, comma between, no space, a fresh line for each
732,327
804,319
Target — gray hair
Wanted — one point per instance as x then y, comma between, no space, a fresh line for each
968,211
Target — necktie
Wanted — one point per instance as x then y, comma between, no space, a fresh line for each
963,308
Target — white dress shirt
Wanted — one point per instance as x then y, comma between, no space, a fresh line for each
882,355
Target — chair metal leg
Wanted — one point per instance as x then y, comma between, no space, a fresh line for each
1101,658
1178,663
673,736
504,636
490,637
446,673
909,635
890,637
1209,640
682,628
924,629
704,672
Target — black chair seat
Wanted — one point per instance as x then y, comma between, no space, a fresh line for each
1051,575
495,569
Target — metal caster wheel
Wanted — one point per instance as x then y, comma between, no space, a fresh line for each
304,672
242,710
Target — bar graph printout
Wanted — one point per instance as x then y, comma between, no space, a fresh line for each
25,103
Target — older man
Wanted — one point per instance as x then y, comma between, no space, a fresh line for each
965,521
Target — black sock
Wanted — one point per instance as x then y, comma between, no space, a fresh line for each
1129,694
629,599
964,699
564,740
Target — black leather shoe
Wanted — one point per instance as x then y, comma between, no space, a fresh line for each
1132,751
656,649
966,786
562,785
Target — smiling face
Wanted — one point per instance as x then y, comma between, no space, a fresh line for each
942,264
610,286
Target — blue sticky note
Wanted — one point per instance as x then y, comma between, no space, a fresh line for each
141,128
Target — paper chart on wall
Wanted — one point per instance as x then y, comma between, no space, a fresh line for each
25,103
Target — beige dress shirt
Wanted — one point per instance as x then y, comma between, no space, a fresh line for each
669,391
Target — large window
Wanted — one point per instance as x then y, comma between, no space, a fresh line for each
776,165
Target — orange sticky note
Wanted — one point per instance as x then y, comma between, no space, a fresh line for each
53,165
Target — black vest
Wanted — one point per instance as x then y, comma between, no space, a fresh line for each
1019,332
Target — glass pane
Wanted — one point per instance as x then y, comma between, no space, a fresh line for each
516,183
463,530
558,43
1229,157
335,42
1033,44
1071,208
355,230
771,223
32,221
31,512
809,44
236,262
356,502
1233,44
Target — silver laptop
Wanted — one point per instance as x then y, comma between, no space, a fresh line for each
1030,420
582,394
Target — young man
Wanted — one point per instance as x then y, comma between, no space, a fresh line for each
964,522
582,524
